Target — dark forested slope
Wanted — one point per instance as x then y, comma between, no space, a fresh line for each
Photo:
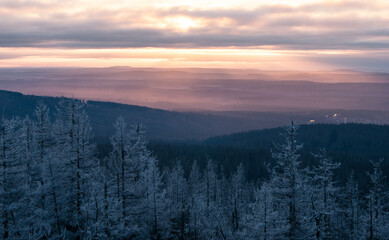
351,144
172,125
160,124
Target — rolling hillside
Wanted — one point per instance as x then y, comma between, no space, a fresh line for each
353,145
173,125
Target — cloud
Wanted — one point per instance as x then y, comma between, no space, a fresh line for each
300,34
333,25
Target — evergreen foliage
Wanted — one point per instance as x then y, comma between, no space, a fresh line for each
53,186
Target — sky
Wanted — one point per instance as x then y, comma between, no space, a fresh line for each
308,35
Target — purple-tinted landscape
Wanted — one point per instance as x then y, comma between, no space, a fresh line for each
208,89
194,120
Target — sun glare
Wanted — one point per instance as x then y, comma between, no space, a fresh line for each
182,23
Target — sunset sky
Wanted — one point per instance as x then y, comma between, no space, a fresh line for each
268,35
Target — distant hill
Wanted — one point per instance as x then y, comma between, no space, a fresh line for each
353,145
207,89
172,125
160,124
349,138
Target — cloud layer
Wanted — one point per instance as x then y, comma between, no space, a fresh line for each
320,26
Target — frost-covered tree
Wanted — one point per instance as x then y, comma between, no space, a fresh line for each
376,217
177,192
76,153
53,179
323,196
196,201
238,197
262,220
155,201
42,130
287,180
41,148
210,181
35,222
109,224
52,186
28,150
129,161
120,144
215,224
138,157
352,209
14,181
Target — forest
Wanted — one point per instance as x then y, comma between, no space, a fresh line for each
54,185
353,145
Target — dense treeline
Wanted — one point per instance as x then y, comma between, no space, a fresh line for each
172,125
353,145
53,186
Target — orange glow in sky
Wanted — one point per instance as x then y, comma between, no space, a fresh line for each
281,35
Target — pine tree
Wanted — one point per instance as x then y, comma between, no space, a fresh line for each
377,226
286,181
353,208
210,214
129,160
138,160
14,180
261,222
238,197
177,191
34,214
55,197
41,147
196,199
156,202
120,142
76,151
323,197
42,130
